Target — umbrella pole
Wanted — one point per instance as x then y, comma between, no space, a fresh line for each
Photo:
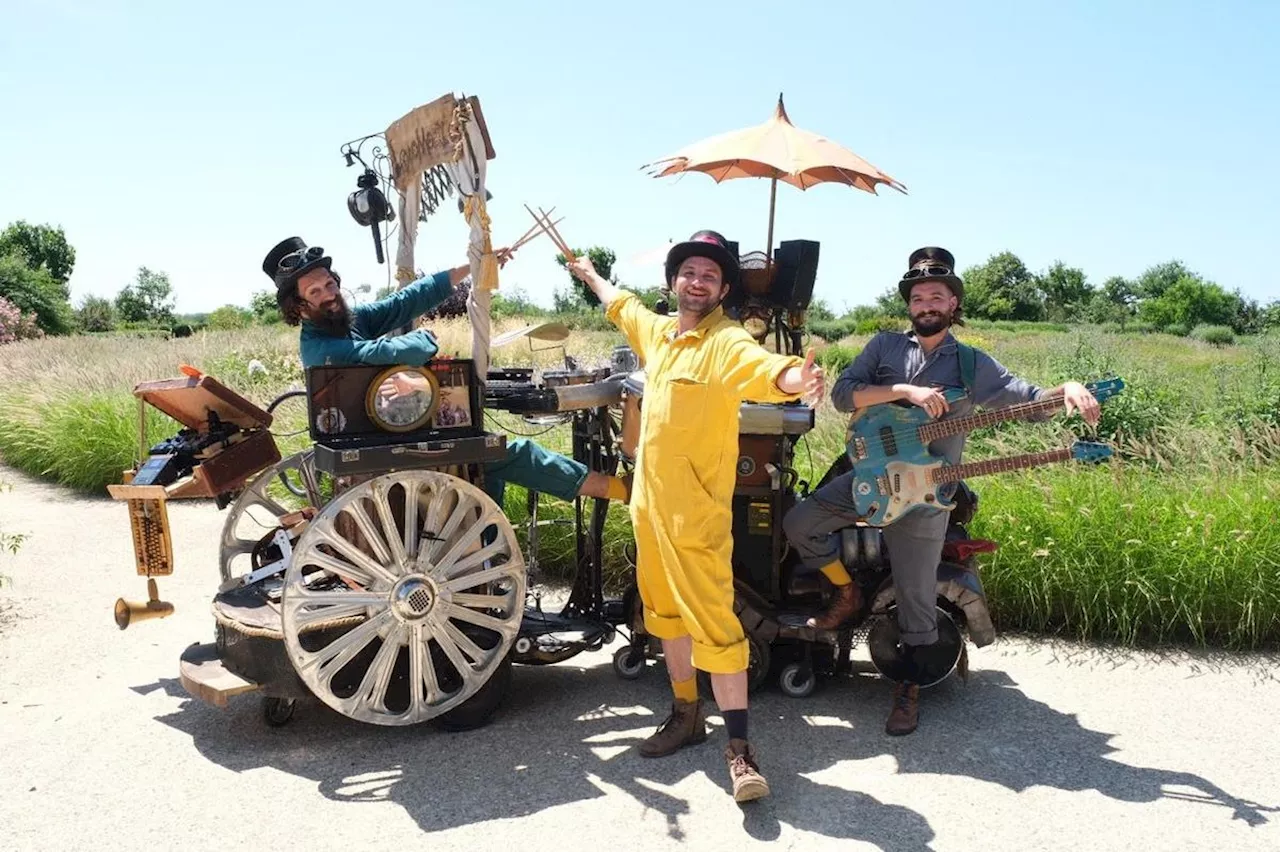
773,200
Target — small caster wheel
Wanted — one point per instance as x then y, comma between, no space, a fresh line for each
278,711
628,662
797,680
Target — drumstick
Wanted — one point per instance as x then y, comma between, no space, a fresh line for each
529,234
550,232
553,234
569,255
532,234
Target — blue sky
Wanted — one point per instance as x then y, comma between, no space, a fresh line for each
1109,135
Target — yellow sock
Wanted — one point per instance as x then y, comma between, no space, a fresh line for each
617,489
835,573
685,690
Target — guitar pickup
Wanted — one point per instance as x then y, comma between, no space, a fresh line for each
860,448
882,482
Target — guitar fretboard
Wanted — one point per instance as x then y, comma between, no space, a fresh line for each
930,432
981,468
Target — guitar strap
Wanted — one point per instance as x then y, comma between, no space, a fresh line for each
968,366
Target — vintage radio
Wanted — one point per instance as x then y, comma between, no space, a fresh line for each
374,418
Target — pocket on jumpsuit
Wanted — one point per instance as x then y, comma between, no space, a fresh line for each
686,397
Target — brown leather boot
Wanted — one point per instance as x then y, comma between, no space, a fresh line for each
686,725
845,603
906,710
744,772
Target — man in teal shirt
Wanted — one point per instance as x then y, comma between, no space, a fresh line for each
309,294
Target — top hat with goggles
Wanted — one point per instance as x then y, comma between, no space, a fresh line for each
290,259
931,264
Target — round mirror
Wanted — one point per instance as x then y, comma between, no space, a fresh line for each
402,399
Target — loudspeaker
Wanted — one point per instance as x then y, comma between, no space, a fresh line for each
797,262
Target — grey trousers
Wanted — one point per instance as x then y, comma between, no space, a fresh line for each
915,549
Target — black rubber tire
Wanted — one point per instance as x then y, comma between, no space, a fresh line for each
797,680
478,710
278,712
623,668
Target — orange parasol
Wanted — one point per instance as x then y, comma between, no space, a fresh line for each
778,150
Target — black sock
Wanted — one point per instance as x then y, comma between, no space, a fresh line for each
735,721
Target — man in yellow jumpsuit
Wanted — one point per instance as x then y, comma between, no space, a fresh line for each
699,368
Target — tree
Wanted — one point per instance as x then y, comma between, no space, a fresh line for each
1153,283
148,299
1189,302
603,260
1066,292
96,314
1002,288
230,317
264,307
41,246
34,291
1119,290
890,304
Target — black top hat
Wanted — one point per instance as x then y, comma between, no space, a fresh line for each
308,258
930,264
708,244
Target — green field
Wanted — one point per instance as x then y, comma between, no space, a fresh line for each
1173,541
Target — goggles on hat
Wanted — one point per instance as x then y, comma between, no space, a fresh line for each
299,258
926,271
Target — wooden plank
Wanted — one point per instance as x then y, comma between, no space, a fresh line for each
204,676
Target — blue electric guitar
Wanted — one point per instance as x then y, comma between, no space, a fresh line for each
881,434
905,486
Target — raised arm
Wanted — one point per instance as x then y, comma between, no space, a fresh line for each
415,348
585,271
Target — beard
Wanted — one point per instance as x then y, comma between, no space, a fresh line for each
700,306
930,323
333,318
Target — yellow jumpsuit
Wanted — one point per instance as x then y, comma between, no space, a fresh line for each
686,465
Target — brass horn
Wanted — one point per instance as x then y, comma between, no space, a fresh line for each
127,612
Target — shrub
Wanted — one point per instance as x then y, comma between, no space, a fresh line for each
15,325
831,330
1218,335
1177,329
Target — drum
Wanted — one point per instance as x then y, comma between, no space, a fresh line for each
632,394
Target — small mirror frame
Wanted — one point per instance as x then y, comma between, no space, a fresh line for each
371,398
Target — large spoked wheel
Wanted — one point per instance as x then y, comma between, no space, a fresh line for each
403,598
257,510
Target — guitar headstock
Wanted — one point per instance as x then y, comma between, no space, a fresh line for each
1105,389
1089,451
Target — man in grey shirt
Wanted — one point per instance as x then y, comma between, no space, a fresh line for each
913,368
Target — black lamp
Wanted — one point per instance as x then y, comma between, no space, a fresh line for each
368,206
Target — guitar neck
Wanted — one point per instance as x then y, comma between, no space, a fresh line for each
962,425
982,468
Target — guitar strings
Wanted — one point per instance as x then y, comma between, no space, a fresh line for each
1008,412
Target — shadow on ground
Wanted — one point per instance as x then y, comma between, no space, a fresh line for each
555,742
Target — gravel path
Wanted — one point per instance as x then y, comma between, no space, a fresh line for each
1046,746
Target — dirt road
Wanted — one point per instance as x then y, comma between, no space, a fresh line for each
1046,746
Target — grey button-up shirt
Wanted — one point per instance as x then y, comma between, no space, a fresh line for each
895,358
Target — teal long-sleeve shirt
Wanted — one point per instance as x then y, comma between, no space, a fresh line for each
365,343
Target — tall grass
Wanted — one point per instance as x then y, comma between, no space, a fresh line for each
1173,541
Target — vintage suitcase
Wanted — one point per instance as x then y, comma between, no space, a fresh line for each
369,419
225,440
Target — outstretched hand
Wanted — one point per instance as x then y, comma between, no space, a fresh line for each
813,381
582,268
